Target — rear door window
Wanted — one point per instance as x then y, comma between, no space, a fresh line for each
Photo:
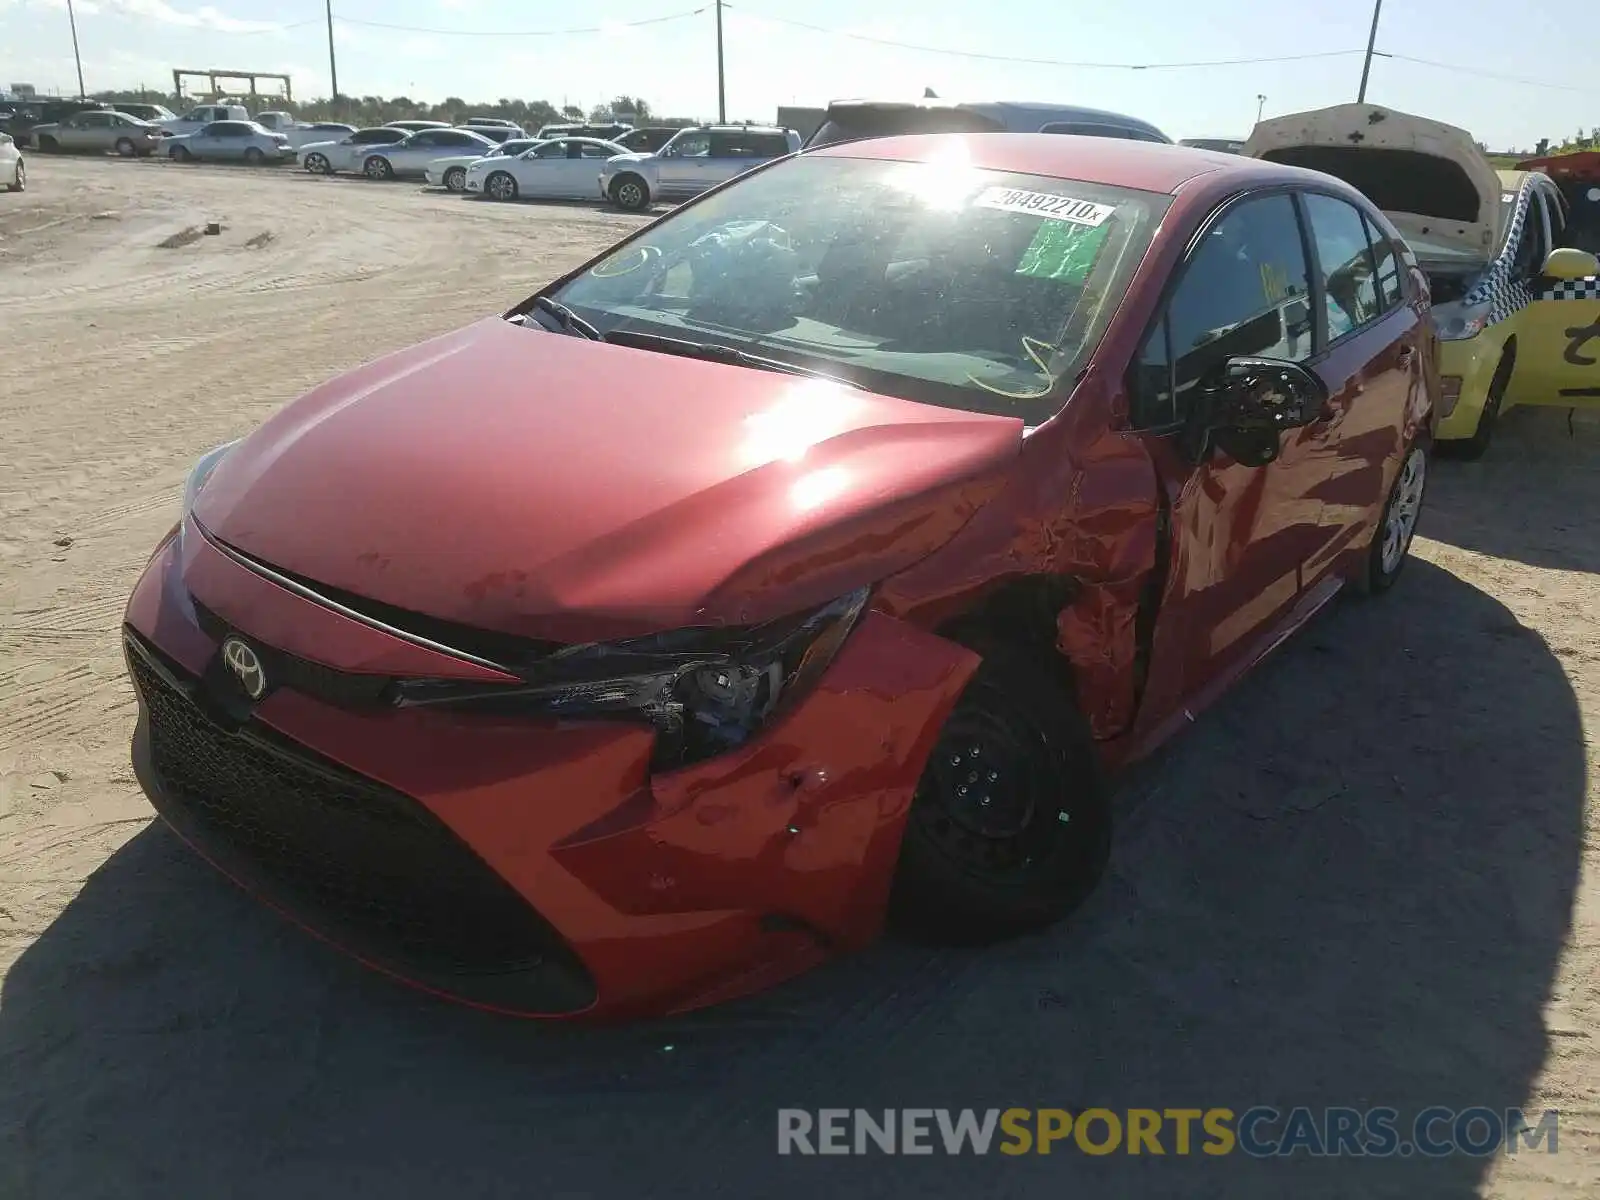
1390,280
1350,290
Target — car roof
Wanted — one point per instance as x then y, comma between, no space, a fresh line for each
1148,166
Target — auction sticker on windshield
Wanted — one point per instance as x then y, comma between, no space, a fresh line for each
1045,204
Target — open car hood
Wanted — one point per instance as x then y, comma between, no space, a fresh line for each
1429,178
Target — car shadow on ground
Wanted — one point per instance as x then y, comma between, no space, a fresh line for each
1508,505
1349,884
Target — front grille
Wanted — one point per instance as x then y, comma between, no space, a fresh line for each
344,689
367,865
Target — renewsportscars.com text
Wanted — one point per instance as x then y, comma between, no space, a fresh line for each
1259,1132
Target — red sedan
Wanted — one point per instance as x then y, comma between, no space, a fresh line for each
808,559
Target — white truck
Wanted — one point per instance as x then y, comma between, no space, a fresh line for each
302,133
202,115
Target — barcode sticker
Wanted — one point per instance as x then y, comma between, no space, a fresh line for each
1046,204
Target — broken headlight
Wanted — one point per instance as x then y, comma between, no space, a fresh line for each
705,690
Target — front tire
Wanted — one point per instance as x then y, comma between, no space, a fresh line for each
1475,447
455,179
253,157
500,186
1010,827
377,167
49,145
318,164
631,192
181,154
21,184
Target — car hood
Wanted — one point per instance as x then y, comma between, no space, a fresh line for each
1429,178
322,145
617,160
537,484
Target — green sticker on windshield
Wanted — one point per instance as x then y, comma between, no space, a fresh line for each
1061,250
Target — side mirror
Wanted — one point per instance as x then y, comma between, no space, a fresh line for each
1267,395
1247,404
1568,263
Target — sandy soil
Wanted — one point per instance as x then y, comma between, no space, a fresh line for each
1367,878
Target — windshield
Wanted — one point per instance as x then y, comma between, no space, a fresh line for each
935,281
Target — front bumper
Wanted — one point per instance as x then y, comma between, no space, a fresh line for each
524,865
1473,362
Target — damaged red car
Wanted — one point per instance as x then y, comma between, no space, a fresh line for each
808,560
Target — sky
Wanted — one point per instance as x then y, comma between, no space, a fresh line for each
1509,73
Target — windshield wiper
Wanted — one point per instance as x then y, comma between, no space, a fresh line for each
716,352
567,319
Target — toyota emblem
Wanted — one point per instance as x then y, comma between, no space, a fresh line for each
246,667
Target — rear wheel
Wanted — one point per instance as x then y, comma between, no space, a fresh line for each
1391,545
21,182
455,179
631,192
125,147
377,167
1010,828
501,186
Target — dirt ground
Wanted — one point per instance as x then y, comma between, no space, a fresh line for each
1367,878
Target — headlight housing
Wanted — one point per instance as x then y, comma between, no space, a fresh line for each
1458,322
704,690
207,463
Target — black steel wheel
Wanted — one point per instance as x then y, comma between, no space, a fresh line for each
1010,828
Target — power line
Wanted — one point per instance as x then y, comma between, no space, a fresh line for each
1044,62
502,33
1482,74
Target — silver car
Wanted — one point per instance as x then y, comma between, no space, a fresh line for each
12,173
412,155
99,132
695,160
230,141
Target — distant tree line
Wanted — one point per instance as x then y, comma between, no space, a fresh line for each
375,110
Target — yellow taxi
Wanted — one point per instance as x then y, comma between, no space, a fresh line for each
1517,306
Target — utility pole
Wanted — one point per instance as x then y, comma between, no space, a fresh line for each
1261,103
1372,40
722,91
77,58
333,65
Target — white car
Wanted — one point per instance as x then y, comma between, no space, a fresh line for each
561,168
12,172
695,160
348,153
412,155
451,173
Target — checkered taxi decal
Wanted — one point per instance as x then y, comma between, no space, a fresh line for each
1498,287
1573,289
1504,293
